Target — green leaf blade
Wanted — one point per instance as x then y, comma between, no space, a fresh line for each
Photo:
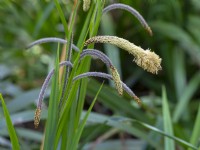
196,130
11,130
169,143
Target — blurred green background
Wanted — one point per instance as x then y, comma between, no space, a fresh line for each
176,38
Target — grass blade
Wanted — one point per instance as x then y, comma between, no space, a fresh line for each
123,123
80,129
62,17
169,143
11,130
179,71
196,130
186,96
120,123
81,101
41,20
53,108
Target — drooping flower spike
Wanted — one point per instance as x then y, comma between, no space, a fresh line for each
96,53
146,59
107,61
132,11
51,39
67,63
43,90
107,76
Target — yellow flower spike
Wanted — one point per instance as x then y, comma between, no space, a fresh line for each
144,58
37,117
116,79
86,5
149,61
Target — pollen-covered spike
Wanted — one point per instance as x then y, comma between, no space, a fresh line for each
116,79
37,117
137,99
144,58
149,61
86,5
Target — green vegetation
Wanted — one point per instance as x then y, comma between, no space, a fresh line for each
84,109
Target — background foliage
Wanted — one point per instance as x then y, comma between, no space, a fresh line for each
176,38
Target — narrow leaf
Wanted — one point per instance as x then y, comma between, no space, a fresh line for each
123,123
80,129
11,130
186,97
196,130
53,108
169,143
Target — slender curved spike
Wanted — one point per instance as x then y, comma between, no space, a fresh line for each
46,82
98,54
43,90
146,59
107,61
107,76
51,39
132,11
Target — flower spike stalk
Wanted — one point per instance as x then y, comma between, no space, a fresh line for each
43,90
107,76
107,61
132,11
146,59
51,39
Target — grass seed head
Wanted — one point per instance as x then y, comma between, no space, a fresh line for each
149,61
116,79
37,117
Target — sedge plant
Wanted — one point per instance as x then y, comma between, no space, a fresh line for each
67,125
68,93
